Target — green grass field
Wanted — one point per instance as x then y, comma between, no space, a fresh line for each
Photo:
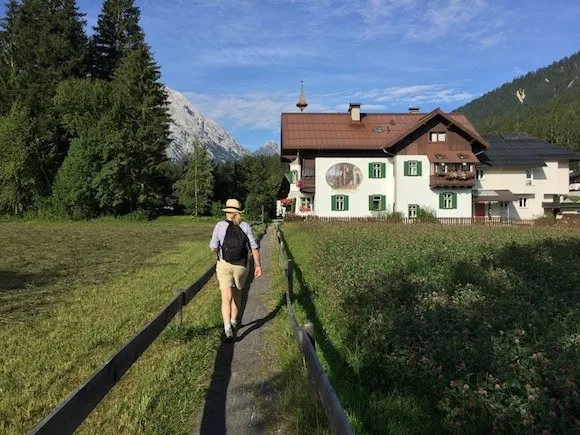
72,293
438,329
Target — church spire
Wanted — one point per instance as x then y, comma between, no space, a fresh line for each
301,104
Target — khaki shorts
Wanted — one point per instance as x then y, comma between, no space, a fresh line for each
231,274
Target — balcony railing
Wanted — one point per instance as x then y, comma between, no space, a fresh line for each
453,179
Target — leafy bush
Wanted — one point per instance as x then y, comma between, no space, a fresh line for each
479,326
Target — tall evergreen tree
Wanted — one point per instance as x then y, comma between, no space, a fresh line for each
141,104
8,67
117,32
195,189
49,46
16,183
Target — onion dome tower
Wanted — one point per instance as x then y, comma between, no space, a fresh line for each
301,104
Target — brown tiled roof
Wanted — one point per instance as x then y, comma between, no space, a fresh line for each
373,131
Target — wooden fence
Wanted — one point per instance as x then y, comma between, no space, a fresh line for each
305,337
68,416
493,221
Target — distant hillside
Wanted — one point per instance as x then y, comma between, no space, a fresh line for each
545,103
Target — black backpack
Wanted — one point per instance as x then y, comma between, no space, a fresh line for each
235,245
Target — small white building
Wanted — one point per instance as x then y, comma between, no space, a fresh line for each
535,172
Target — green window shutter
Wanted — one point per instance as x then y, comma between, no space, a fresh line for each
383,170
383,202
293,206
419,167
441,200
371,170
346,202
406,171
333,202
371,202
454,200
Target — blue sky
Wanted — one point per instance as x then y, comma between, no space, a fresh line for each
241,61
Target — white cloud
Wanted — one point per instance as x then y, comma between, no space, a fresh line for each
254,111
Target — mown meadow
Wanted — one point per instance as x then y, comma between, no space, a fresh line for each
72,293
437,329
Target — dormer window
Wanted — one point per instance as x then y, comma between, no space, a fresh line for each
437,136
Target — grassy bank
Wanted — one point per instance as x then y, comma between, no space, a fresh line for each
294,410
72,293
433,329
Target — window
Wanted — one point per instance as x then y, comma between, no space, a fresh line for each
413,210
377,202
377,170
340,202
440,168
529,177
437,136
306,204
504,204
412,168
479,174
523,202
448,200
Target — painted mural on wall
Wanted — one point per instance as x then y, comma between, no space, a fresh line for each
344,176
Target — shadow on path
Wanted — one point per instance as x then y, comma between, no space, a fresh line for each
216,406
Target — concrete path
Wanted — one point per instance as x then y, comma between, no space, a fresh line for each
242,376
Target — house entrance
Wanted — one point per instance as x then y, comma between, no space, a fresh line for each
480,209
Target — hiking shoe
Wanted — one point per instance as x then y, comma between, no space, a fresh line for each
235,325
229,334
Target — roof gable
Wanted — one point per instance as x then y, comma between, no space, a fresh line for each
447,120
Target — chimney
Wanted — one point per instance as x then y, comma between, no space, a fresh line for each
414,110
354,109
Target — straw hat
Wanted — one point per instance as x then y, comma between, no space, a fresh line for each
233,206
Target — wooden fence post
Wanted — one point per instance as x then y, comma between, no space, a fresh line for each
290,278
179,315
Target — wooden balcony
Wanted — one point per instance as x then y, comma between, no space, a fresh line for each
447,181
308,185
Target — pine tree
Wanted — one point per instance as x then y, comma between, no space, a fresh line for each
117,32
7,56
195,189
141,104
16,183
49,46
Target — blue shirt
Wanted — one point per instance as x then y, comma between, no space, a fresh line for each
219,234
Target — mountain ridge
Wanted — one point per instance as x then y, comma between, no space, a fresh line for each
189,125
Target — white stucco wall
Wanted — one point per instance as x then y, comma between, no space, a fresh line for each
359,197
416,190
548,180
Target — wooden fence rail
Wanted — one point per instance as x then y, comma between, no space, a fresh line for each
68,416
328,398
493,221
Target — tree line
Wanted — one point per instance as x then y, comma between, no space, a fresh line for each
549,109
204,186
83,122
